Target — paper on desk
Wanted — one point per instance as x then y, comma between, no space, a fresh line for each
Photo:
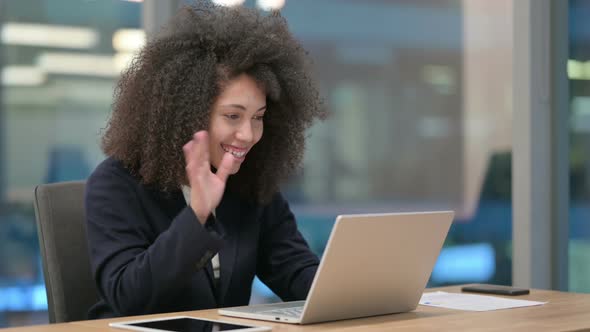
472,302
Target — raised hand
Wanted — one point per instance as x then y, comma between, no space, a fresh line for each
206,187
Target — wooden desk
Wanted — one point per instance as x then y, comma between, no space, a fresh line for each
565,311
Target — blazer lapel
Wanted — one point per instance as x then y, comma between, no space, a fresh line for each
209,272
229,214
172,204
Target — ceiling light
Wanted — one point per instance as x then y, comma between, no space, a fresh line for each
269,5
575,69
578,70
23,76
228,3
48,35
78,64
128,40
122,60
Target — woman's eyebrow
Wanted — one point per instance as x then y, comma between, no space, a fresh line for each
243,108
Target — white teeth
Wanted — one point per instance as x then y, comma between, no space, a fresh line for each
238,154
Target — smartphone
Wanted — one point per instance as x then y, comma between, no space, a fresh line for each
495,289
185,324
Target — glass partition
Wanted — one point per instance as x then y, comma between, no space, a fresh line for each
579,79
59,61
420,96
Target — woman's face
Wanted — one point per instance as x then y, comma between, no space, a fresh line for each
236,121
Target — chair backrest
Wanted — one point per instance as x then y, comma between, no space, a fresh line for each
59,210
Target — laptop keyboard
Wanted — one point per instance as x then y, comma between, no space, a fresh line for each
294,312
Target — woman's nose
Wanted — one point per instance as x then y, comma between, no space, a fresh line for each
245,132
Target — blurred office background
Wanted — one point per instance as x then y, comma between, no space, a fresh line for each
421,95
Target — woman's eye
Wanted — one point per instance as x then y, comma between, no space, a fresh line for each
259,117
232,116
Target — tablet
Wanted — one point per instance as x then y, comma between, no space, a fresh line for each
186,324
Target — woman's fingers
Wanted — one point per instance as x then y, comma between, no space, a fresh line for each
186,149
201,146
196,152
206,188
225,167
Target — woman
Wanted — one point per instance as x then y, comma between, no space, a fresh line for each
185,211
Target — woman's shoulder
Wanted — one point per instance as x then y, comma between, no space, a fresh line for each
278,205
111,169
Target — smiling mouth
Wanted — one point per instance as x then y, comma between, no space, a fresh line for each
238,153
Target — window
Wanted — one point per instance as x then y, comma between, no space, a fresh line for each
59,62
579,209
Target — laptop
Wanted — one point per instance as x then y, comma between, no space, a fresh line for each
374,264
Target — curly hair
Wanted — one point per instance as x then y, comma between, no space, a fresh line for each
166,94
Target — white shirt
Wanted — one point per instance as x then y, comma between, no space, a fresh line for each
186,191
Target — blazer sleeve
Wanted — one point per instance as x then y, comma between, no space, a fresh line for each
135,268
285,262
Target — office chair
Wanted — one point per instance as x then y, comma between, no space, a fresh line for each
59,211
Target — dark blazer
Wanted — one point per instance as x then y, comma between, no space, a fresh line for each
150,254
